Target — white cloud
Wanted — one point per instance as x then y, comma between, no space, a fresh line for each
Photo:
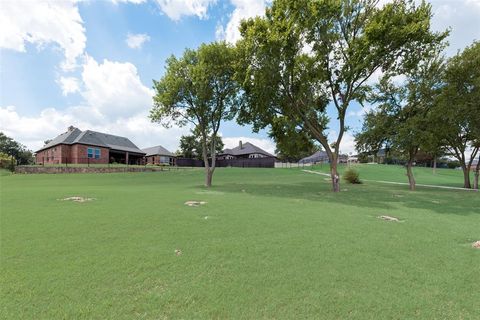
347,145
114,88
243,9
264,143
361,112
42,23
115,101
175,9
68,85
136,41
34,130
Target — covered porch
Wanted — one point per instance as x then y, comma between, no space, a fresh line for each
126,157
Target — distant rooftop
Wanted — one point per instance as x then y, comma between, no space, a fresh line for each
318,156
157,150
246,148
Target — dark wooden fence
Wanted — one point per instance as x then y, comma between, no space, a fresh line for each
238,163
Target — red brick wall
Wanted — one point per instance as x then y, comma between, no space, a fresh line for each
54,155
153,159
156,160
79,154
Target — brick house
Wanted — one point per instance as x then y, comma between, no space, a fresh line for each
244,151
80,147
158,155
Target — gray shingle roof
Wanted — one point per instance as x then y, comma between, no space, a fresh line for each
316,157
247,148
66,138
157,150
94,138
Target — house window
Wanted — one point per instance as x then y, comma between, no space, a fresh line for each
164,159
90,152
97,153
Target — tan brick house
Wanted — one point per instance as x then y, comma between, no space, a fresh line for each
81,147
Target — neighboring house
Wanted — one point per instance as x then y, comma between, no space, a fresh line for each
244,151
317,157
76,146
322,157
159,155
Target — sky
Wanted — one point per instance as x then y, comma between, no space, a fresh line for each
91,63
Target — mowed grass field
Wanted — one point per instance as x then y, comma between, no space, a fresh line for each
392,173
268,244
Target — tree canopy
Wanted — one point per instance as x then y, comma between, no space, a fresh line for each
306,56
19,152
191,146
457,113
198,89
402,118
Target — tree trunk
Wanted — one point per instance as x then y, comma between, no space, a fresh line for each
411,178
208,178
208,172
434,165
466,176
477,174
334,174
212,167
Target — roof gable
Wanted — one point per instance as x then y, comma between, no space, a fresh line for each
95,138
157,150
316,157
247,148
64,138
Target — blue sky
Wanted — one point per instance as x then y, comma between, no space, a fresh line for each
91,63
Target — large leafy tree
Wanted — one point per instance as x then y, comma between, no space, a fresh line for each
198,89
305,57
402,119
458,109
15,149
191,146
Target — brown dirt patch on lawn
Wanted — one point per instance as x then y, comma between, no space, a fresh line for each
193,203
77,199
389,218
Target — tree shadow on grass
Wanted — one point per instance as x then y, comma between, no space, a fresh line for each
369,195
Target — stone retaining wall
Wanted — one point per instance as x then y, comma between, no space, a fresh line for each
54,170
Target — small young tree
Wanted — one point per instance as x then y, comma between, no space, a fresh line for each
198,89
402,118
305,56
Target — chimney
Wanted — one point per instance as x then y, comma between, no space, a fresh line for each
71,128
240,144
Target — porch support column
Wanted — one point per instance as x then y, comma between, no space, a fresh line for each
126,157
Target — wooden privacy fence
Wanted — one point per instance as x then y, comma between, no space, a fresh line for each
238,163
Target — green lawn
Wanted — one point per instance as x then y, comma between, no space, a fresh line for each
269,244
443,177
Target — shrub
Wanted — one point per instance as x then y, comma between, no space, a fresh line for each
453,164
352,176
7,162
